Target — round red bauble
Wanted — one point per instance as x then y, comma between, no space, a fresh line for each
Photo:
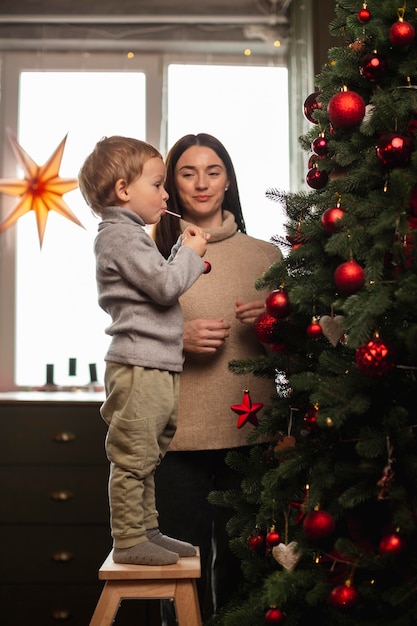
311,105
208,267
277,304
373,67
364,15
392,544
319,145
274,616
343,596
374,358
394,149
314,329
317,179
349,277
273,538
310,419
330,220
346,109
318,525
266,328
401,33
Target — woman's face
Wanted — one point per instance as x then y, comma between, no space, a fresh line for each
200,180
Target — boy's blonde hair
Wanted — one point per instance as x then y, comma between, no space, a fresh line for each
112,158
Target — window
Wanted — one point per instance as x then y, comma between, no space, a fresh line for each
49,311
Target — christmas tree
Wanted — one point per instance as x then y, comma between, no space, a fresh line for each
325,524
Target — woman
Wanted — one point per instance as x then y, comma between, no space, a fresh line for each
219,312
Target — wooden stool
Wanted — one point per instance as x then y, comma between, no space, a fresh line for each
149,581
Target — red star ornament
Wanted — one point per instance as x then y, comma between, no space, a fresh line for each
247,411
41,190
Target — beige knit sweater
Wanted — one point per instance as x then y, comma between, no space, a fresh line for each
207,387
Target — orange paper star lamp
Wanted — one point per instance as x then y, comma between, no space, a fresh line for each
41,190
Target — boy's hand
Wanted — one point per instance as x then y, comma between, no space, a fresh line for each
249,311
196,239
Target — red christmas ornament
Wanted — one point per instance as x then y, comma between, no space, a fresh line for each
346,109
310,106
349,277
319,145
401,33
273,538
343,596
274,616
364,15
373,67
246,410
317,179
277,304
394,149
314,329
392,544
374,358
208,267
266,328
318,525
330,220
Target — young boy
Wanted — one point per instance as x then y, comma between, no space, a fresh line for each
122,181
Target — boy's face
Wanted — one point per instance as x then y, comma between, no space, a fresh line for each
146,195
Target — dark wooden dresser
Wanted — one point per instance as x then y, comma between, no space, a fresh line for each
54,516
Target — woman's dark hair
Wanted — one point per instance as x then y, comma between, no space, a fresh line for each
167,231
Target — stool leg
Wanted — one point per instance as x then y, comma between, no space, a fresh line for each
107,606
186,603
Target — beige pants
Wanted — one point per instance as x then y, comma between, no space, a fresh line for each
141,410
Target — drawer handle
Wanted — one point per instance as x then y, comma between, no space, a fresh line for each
62,557
61,615
61,496
64,437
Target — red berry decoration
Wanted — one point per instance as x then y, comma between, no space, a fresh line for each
318,525
317,179
310,106
373,67
319,145
343,596
314,329
374,358
401,33
394,149
330,220
346,109
310,419
364,15
277,304
273,538
256,542
274,616
392,544
349,277
208,267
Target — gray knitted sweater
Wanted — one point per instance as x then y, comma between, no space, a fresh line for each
139,289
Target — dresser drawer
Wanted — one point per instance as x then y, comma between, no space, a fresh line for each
22,605
53,434
59,495
54,555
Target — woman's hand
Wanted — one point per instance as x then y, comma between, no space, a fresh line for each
205,336
247,312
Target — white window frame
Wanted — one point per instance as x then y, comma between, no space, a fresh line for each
12,64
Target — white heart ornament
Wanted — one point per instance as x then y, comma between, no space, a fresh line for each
287,555
333,328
